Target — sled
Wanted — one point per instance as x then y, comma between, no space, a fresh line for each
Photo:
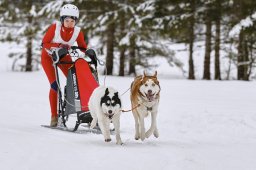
79,131
82,79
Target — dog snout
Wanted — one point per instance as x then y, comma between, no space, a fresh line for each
149,91
110,111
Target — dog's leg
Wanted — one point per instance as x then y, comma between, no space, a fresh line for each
136,119
104,127
107,125
153,125
156,133
142,127
94,118
107,128
94,122
116,123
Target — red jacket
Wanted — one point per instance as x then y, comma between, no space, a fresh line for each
66,34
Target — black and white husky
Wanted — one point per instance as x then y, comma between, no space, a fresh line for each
105,107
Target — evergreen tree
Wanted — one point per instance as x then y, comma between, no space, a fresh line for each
242,13
24,25
191,74
217,12
208,36
122,47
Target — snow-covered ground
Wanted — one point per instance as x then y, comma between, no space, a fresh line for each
203,125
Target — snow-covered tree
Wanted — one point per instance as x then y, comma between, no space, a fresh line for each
243,34
23,24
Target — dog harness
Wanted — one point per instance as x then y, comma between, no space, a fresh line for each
57,37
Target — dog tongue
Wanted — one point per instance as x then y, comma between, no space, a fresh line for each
150,97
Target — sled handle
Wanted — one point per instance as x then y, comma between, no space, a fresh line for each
76,47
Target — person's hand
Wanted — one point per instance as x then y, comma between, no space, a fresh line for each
66,46
92,55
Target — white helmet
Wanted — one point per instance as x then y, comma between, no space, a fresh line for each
69,10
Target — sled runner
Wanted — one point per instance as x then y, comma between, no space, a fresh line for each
83,130
82,79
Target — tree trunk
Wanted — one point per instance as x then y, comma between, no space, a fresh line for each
191,73
122,48
207,58
242,58
240,68
110,48
245,60
217,75
122,61
29,48
251,60
132,55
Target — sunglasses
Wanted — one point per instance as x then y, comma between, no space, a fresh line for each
72,17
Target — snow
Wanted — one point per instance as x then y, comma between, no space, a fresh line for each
244,23
33,11
203,125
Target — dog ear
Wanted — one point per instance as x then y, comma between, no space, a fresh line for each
117,99
155,75
144,73
116,94
141,78
106,92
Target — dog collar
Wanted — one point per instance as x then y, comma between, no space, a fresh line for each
149,108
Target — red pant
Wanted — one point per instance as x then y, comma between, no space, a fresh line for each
47,64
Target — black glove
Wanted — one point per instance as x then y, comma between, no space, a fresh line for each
91,53
59,53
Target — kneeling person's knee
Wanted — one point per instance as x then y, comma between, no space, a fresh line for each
54,86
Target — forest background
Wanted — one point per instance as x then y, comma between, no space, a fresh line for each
131,32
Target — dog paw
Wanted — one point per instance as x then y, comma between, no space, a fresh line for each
142,137
137,137
147,134
156,134
119,143
107,140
